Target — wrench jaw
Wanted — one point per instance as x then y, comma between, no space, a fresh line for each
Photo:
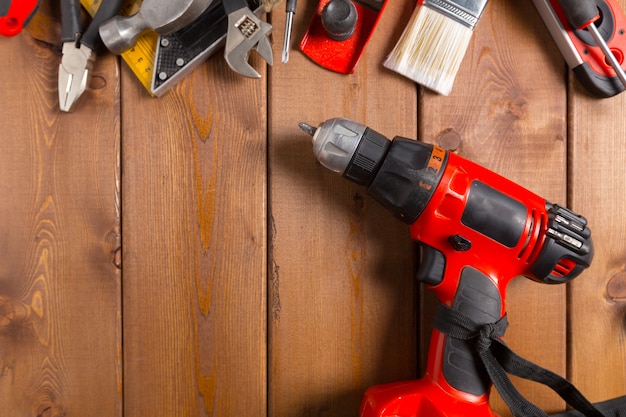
246,32
264,47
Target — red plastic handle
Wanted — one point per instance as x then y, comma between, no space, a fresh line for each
19,14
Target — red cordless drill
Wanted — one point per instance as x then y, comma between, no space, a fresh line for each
477,231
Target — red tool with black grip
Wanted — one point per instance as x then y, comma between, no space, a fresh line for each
591,35
477,231
339,32
15,14
585,15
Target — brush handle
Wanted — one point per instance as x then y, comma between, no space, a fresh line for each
466,12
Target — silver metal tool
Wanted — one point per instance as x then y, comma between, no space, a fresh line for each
290,9
597,37
246,32
79,49
163,16
179,53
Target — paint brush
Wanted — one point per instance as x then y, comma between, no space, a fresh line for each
433,44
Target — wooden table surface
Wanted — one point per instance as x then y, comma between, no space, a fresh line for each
187,256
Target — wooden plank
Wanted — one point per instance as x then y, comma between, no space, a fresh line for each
60,301
511,118
195,245
341,283
342,297
597,300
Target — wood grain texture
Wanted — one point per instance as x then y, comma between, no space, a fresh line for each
511,117
195,246
60,306
597,300
341,284
255,281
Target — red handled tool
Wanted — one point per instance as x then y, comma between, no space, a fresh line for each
585,15
591,35
16,14
339,32
477,231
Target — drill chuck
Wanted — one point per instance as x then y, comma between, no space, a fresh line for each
401,174
335,142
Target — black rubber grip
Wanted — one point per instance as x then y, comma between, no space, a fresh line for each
70,20
479,299
597,84
367,158
580,13
91,38
339,18
233,5
432,266
5,5
405,182
494,214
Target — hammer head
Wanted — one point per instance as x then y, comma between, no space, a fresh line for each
120,33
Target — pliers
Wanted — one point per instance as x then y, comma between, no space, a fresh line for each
245,33
79,48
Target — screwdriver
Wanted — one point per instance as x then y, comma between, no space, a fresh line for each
290,9
582,14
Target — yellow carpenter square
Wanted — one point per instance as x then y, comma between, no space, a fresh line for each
140,58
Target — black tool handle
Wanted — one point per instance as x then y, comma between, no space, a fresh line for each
290,6
70,20
580,13
5,5
479,299
91,37
234,5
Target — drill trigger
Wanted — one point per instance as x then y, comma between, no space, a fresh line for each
432,265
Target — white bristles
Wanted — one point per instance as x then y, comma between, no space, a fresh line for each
430,49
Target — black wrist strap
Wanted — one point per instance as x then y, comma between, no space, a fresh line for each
499,360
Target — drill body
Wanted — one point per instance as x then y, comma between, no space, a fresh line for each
476,230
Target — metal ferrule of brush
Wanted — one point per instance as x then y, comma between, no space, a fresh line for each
466,12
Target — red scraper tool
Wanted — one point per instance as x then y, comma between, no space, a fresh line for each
590,63
337,44
14,15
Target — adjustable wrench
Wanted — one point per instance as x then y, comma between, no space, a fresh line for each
245,33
